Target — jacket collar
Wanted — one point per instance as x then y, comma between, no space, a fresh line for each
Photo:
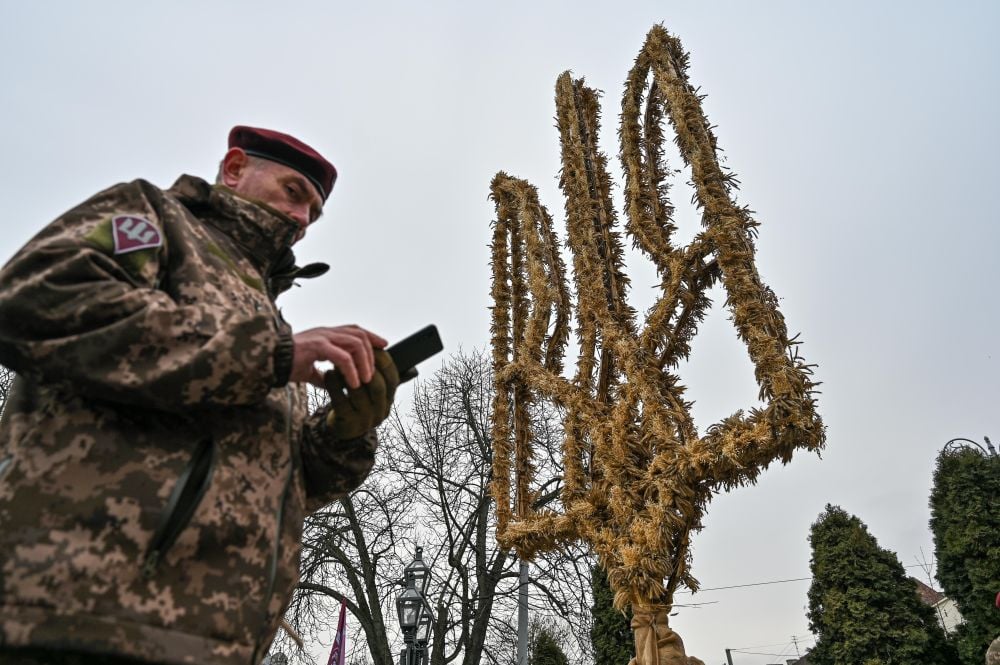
263,232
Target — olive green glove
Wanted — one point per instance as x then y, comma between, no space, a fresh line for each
356,411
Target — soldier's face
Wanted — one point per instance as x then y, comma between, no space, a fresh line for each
277,185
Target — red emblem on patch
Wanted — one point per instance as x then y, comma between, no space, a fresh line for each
134,233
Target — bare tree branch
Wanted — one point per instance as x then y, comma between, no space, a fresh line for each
431,487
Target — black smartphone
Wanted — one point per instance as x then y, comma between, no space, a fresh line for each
415,349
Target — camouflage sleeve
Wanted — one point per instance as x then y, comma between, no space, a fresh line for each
78,314
333,468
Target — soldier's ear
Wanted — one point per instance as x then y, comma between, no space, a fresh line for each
234,166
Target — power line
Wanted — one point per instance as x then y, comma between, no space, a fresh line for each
707,602
740,586
776,644
784,652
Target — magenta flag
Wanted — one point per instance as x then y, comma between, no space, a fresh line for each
338,653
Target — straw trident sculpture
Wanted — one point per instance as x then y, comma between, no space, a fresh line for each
637,476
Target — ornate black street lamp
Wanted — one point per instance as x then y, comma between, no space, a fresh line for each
423,636
419,571
415,616
409,605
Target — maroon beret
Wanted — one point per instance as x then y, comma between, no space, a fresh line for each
288,150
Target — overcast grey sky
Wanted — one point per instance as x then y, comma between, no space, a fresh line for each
864,133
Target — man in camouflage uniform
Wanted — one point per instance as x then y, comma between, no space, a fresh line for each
156,455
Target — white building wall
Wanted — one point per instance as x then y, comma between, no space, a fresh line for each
948,615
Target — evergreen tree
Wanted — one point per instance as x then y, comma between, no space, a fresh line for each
611,633
863,608
965,519
545,650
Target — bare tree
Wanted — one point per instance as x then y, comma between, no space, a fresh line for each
6,383
431,488
352,553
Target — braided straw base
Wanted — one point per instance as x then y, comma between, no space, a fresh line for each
993,653
655,642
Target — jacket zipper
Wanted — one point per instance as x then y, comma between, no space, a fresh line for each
188,491
272,568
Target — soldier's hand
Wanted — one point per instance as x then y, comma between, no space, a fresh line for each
349,348
355,411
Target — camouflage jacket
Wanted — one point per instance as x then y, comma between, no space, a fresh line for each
155,463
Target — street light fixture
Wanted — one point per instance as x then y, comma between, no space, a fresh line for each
423,637
415,616
419,571
424,628
960,442
410,606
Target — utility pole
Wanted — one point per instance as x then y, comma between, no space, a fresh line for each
729,657
522,616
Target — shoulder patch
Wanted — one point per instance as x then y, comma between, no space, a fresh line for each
131,233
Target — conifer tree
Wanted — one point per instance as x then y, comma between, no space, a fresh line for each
965,520
545,650
863,608
611,633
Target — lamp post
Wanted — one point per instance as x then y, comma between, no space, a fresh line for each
415,616
961,442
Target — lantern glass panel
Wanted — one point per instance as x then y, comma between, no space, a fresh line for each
424,629
409,605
